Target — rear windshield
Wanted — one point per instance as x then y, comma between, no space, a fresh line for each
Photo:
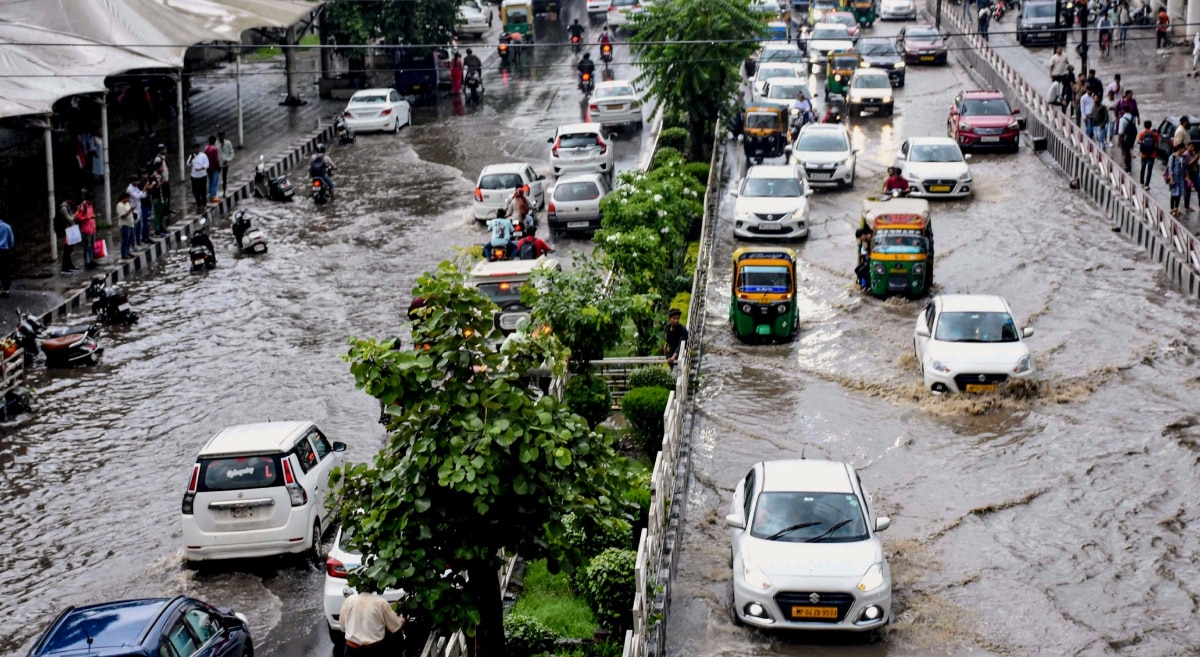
580,140
368,100
502,294
624,3
500,181
239,473
1039,10
786,55
610,92
576,191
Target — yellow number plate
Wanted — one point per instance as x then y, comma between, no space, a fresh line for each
981,387
814,612
927,58
614,107
939,188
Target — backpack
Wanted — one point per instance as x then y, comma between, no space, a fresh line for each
528,249
1149,145
317,168
1129,134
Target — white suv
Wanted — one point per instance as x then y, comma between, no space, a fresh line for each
772,202
259,490
496,185
823,153
581,148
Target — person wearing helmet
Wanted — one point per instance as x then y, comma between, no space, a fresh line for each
576,30
322,166
474,66
586,65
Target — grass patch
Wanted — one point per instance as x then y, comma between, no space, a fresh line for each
310,40
549,599
263,54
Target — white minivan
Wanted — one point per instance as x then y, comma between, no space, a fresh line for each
258,490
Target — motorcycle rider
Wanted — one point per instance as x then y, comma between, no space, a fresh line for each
605,39
200,238
576,30
586,65
502,230
322,166
531,247
474,65
895,182
240,225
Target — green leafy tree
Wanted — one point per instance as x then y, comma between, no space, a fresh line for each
476,461
689,51
355,22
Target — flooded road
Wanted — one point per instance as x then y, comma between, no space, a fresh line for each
1054,521
92,482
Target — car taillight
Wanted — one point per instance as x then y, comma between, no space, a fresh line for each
335,568
386,112
296,492
612,8
190,496
554,148
550,208
479,194
593,107
603,146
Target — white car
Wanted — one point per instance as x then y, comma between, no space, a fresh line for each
805,549
971,343
825,155
826,38
890,10
574,203
772,202
783,92
780,52
934,167
258,490
377,109
581,148
621,12
472,20
870,90
770,71
496,185
615,103
338,564
598,8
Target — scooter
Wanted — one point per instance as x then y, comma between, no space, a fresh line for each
586,84
249,238
473,85
998,10
606,53
345,135
276,189
109,304
64,346
201,254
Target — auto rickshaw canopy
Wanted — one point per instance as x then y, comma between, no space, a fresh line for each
844,62
899,213
763,119
764,273
516,15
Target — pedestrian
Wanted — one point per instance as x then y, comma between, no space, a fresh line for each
371,627
64,219
1183,133
1147,141
226,154
159,199
146,211
136,194
1100,122
1195,52
1191,166
1068,79
165,182
85,216
1057,95
1124,20
1117,90
213,153
1094,85
198,162
677,336
985,17
456,74
1110,127
1176,175
1128,105
1126,138
1058,64
1087,103
126,220
7,242
1078,93
1162,32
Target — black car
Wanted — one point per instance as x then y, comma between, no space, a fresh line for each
1036,24
881,53
1166,131
152,627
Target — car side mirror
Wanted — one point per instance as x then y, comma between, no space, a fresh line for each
550,140
735,521
857,150
541,176
1016,110
733,192
899,156
339,446
808,192
882,523
1027,332
612,136
967,156
923,331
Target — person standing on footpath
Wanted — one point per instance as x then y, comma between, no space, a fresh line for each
161,159
147,202
372,629
1176,178
677,335
1128,105
1099,121
126,219
64,219
1123,20
214,168
1126,138
159,199
85,215
198,163
1147,141
1116,89
985,18
1191,167
226,154
1058,66
136,194
1183,133
1087,103
7,242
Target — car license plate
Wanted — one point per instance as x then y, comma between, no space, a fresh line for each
990,140
416,86
820,176
242,513
771,227
577,224
939,188
981,387
814,612
614,108
927,58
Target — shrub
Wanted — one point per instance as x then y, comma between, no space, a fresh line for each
677,138
526,636
644,409
666,156
610,586
673,118
588,396
682,302
639,494
698,170
593,537
652,376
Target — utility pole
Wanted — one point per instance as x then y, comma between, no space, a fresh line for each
938,24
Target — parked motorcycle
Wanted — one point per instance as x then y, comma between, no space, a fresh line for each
202,255
276,189
109,304
64,346
345,134
474,84
586,84
249,238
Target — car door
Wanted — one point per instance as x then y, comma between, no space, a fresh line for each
952,119
743,503
925,320
328,459
399,107
901,163
310,478
537,187
212,637
177,640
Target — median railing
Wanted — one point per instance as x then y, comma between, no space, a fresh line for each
1131,208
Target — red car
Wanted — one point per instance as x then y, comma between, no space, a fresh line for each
921,44
983,119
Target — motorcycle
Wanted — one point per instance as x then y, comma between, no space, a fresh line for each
606,53
202,255
509,48
64,346
322,190
998,10
345,135
473,84
576,44
586,84
109,304
249,238
276,189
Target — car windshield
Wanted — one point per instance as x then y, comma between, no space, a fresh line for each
517,17
976,327
502,294
494,181
871,82
772,188
824,6
582,140
784,55
822,141
896,241
758,278
986,107
923,35
877,48
762,121
772,72
369,100
935,153
810,517
238,473
1039,10
842,19
576,191
844,63
611,92
830,33
791,91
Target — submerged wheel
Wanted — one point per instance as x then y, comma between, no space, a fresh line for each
316,551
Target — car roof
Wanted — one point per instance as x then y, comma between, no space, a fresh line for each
371,92
825,127
580,177
805,476
981,93
972,303
614,83
254,438
779,45
925,141
507,268
508,167
871,71
581,127
771,171
118,624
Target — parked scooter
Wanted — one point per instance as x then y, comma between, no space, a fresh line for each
202,255
64,346
276,189
249,238
345,134
109,304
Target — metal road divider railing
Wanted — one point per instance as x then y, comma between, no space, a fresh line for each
1102,179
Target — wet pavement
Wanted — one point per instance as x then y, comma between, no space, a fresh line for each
1052,520
93,479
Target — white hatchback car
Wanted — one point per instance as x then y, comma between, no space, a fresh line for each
621,12
870,90
805,551
597,9
934,167
338,564
772,202
770,71
970,343
616,103
581,148
574,203
496,185
259,489
377,109
472,20
824,154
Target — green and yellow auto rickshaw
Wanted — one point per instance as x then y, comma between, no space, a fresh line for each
901,257
864,12
764,131
762,306
517,16
839,70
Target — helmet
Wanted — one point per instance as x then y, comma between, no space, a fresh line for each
320,148
587,55
468,51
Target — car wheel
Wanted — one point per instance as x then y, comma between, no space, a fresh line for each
338,639
396,126
317,550
737,620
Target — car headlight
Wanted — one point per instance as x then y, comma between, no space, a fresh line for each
1014,126
747,308
1023,365
865,64
743,214
879,269
940,366
754,577
899,64
964,127
872,579
887,99
966,177
848,162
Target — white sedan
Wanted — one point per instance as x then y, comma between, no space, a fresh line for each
870,90
970,343
471,20
770,71
615,103
377,109
934,167
772,202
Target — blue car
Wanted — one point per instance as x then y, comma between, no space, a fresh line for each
154,627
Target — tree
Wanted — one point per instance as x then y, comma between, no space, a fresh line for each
689,51
476,461
421,22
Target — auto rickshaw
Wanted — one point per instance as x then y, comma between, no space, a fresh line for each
901,258
517,16
840,68
864,12
763,303
764,131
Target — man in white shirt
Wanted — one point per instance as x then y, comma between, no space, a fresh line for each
1058,64
198,162
227,153
1086,105
370,626
136,194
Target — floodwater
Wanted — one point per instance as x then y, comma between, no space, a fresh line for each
93,480
1057,519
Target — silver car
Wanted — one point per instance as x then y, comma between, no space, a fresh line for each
784,92
824,154
805,552
616,103
574,203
